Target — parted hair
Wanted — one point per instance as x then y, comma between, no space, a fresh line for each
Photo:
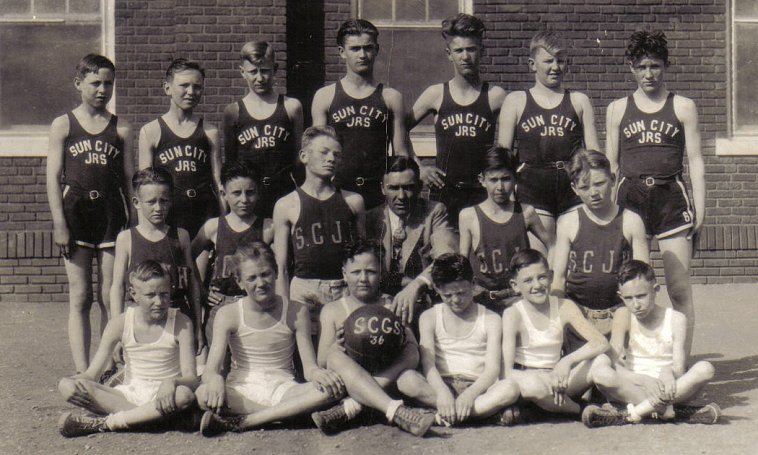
152,176
524,259
498,158
356,27
92,63
360,246
635,269
550,41
256,52
585,160
147,270
312,132
651,44
464,25
237,169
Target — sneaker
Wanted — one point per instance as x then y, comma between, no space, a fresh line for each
594,416
212,424
72,426
519,414
332,420
510,416
414,421
707,415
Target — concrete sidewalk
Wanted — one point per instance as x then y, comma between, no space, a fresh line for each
35,355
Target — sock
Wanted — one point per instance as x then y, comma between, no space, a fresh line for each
116,421
440,421
352,407
633,416
668,414
392,409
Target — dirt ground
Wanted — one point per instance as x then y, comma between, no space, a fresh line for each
35,354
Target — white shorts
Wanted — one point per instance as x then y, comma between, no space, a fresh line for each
139,391
266,388
315,293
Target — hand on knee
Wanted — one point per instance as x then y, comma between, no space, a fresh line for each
184,397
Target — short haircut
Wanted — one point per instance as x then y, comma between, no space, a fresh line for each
312,132
499,158
152,176
463,25
238,169
256,52
451,267
552,42
182,64
635,269
642,44
400,163
92,63
252,251
524,259
147,270
356,27
360,246
585,160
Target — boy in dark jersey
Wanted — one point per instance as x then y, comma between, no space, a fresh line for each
264,128
593,242
152,238
180,143
314,222
547,123
226,233
648,134
367,116
493,231
87,175
465,110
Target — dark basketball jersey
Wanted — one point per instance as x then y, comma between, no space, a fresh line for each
546,135
365,128
168,252
595,256
227,241
188,160
651,145
319,235
268,144
464,134
93,161
498,242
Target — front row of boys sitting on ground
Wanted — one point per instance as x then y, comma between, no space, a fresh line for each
460,355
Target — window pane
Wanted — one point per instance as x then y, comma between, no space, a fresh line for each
37,66
441,9
410,10
745,82
409,73
745,8
49,6
84,6
14,6
376,9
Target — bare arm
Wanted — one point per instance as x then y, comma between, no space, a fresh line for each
612,122
149,136
511,323
687,113
186,341
213,138
326,381
535,226
231,114
587,113
466,223
294,110
445,399
509,115
494,328
120,265
328,335
320,106
111,337
634,231
282,228
394,101
566,229
224,323
355,202
55,153
204,238
596,343
125,133
619,331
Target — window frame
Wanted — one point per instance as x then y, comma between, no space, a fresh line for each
735,143
34,143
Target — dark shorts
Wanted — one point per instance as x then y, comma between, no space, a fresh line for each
271,190
457,197
94,218
602,320
546,188
663,206
370,188
190,209
457,384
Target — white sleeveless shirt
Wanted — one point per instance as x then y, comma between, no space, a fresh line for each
544,347
153,361
650,350
462,356
266,349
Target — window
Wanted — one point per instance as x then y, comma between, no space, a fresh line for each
743,84
412,54
40,43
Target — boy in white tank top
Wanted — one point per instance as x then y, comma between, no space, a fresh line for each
533,331
160,363
649,370
460,351
262,330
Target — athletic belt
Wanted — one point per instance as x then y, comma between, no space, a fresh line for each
546,164
270,179
92,194
467,186
192,192
653,181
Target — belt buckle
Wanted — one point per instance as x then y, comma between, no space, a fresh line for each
360,181
191,193
266,181
94,194
492,295
649,181
560,165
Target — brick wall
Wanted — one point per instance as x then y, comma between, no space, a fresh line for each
150,33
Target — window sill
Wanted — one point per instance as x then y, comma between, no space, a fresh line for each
737,146
23,144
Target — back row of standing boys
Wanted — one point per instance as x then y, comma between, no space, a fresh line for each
352,190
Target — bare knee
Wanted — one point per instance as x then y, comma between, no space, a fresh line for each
703,370
507,390
66,387
604,376
201,396
183,397
410,382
